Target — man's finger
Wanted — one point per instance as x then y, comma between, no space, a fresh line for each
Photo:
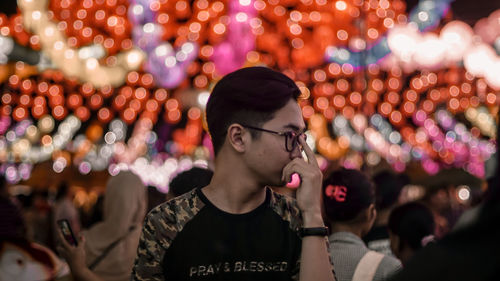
288,171
311,158
296,166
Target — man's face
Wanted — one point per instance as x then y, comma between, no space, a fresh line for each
268,155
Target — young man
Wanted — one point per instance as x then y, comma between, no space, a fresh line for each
236,228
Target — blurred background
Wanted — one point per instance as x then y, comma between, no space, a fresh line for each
92,87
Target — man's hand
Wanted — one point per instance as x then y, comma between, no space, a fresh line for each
314,261
309,191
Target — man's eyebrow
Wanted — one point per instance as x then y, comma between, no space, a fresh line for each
294,127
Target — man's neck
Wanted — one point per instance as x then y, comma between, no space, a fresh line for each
233,190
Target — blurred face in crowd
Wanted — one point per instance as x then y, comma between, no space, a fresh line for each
440,201
394,240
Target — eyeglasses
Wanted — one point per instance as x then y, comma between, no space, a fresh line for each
291,137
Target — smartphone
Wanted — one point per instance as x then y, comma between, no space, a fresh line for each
67,232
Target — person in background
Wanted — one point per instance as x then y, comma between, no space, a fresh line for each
237,228
107,250
39,218
95,214
111,244
437,199
388,187
76,257
183,182
12,223
470,253
25,260
21,258
196,177
471,215
411,227
349,204
155,197
65,209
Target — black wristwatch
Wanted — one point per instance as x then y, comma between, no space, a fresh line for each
313,231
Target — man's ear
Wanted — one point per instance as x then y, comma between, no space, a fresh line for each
395,244
236,135
372,212
370,215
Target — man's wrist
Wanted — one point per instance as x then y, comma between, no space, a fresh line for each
312,219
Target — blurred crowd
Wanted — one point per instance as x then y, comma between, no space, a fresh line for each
380,220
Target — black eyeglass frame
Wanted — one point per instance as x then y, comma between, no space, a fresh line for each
293,136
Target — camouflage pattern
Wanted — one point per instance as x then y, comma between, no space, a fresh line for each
161,226
288,209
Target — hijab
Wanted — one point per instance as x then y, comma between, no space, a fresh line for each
125,204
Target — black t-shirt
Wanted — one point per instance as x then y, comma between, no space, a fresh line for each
188,238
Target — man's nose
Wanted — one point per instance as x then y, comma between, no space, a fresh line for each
296,152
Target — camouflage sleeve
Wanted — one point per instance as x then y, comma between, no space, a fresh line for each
151,249
289,211
327,241
161,226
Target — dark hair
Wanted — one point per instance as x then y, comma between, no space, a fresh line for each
412,222
432,189
96,213
346,193
3,183
388,186
249,96
186,181
62,190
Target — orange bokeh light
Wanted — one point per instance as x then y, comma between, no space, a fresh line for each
104,115
82,113
59,112
161,95
20,113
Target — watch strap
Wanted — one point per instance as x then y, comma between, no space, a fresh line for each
313,231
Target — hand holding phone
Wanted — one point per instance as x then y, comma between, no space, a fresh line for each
67,232
74,254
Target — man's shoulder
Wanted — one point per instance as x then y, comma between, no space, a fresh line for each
282,198
179,208
284,201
